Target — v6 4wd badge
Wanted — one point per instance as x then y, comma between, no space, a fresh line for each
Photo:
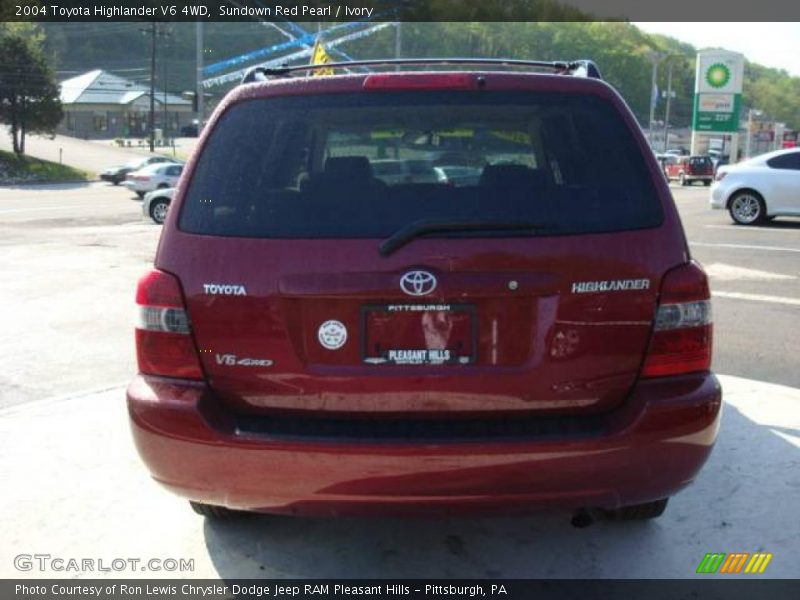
231,360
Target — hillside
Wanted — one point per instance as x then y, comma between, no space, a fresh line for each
620,49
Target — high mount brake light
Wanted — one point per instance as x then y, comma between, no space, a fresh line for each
164,345
682,332
422,81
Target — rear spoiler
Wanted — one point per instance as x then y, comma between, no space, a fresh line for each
577,68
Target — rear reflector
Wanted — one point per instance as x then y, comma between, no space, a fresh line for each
420,81
164,345
682,332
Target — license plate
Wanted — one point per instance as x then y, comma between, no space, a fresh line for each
418,334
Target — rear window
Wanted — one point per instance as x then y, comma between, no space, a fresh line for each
326,166
700,161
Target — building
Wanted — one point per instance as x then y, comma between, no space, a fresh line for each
100,105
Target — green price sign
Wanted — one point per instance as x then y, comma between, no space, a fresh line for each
717,113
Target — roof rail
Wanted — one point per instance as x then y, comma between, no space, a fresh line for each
578,68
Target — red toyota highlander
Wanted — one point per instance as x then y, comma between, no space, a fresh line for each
316,340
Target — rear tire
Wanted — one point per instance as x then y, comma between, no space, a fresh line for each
638,512
140,194
747,208
211,511
707,182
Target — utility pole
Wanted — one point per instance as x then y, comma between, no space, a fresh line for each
666,111
153,33
199,84
164,83
655,57
152,120
398,41
750,113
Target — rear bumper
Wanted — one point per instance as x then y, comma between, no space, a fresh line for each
649,449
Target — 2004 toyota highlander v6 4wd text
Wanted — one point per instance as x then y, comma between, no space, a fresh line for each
315,340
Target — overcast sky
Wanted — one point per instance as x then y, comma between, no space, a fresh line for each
770,44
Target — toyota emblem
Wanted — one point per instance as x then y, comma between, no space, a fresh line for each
418,283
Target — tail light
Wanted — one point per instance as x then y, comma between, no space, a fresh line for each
682,334
164,345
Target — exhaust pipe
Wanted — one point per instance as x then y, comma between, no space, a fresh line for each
582,519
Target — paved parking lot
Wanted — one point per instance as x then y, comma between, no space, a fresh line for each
755,279
69,259
70,256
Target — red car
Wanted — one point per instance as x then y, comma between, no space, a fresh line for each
316,341
688,169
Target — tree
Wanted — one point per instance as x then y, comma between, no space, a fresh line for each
29,94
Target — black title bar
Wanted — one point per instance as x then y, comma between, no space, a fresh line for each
701,588
716,12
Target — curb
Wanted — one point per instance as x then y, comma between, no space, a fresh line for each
43,183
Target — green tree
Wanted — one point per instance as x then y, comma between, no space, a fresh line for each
29,94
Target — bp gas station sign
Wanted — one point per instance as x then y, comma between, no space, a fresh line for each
718,91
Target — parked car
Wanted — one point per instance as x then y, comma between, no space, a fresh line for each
156,204
394,171
662,160
352,346
117,175
759,189
153,177
688,169
458,175
390,171
681,151
719,161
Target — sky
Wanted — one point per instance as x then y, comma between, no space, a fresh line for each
770,44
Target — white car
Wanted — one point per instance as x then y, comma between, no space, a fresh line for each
760,188
395,172
153,177
156,204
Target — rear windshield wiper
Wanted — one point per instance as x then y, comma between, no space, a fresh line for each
419,228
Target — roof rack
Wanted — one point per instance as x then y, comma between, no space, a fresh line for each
579,68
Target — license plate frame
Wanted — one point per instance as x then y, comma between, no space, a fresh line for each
425,356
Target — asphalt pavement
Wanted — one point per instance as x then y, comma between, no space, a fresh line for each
69,258
755,282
